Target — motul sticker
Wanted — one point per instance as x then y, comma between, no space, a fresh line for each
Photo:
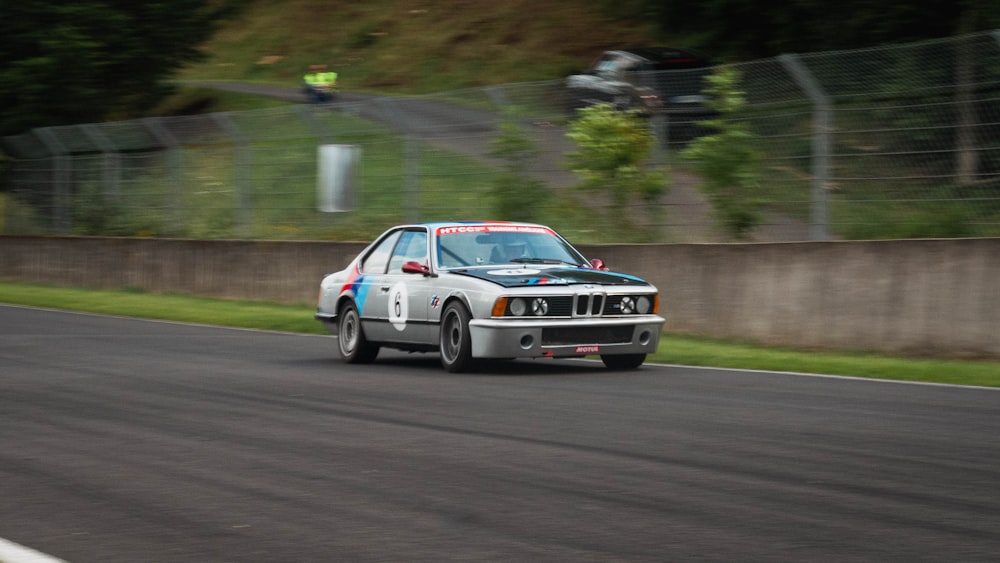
588,349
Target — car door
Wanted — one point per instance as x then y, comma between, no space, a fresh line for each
371,301
408,295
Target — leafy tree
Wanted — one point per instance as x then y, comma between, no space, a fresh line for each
516,195
614,147
727,159
750,29
89,60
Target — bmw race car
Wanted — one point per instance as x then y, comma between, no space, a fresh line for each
477,290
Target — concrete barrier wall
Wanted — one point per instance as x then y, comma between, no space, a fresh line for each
923,297
917,297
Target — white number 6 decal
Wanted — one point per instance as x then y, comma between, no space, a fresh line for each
398,306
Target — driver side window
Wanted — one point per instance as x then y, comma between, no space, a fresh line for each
412,247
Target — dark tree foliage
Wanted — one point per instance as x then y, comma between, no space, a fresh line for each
64,62
749,29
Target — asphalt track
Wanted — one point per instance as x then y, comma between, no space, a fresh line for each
129,440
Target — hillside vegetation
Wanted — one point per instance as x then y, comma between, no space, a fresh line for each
407,46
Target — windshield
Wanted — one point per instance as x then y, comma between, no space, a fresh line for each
490,245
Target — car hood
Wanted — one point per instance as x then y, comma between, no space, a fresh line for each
527,276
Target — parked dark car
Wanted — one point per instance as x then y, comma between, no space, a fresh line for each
652,80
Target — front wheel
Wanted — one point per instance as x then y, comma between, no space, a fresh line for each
456,342
354,347
623,361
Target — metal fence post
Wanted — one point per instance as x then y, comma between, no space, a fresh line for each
819,225
62,172
243,173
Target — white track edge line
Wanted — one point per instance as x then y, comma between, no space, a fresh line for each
11,552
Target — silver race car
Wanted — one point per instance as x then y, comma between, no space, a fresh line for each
475,290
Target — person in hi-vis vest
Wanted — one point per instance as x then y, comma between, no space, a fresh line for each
320,83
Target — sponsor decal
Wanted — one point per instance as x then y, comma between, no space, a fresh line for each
588,349
358,286
398,306
493,229
352,279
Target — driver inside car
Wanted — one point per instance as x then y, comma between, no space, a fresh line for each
508,251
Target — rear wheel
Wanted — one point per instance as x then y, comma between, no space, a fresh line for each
456,343
623,361
354,347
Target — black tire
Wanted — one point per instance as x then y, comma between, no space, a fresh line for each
455,341
354,347
623,361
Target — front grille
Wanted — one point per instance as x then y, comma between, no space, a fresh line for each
560,306
597,302
613,305
565,336
589,305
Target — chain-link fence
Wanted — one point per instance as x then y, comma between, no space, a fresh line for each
900,141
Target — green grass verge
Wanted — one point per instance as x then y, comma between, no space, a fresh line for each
674,348
172,307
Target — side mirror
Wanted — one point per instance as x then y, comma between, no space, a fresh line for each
598,264
414,267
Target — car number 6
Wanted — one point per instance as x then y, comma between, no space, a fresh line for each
398,306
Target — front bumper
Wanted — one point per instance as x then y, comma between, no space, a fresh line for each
509,338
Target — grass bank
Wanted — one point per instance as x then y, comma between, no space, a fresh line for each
391,46
674,349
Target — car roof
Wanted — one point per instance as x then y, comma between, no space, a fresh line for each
435,224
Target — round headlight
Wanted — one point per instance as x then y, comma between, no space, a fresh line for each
539,307
642,305
518,307
628,305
